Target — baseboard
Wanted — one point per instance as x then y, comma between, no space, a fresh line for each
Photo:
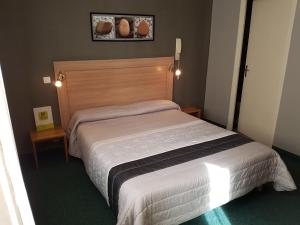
286,153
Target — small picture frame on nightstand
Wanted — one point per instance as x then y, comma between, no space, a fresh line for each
43,118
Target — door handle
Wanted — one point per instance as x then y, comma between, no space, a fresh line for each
246,70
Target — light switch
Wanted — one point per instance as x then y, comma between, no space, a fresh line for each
47,80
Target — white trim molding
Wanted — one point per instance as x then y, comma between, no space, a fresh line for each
16,205
237,62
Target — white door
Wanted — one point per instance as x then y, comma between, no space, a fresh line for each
269,41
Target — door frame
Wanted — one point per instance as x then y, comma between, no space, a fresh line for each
237,63
16,205
243,64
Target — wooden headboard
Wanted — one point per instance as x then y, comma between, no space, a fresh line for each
95,83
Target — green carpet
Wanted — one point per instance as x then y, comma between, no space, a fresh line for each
62,194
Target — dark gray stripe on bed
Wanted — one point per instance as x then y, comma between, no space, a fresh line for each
123,172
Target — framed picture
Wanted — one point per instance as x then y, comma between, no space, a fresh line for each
43,118
122,27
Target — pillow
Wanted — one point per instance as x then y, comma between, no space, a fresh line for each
111,112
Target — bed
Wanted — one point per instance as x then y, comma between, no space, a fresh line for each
153,163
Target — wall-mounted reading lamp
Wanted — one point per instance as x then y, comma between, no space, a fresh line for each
177,67
60,78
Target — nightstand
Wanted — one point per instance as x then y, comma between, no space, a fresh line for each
192,111
40,136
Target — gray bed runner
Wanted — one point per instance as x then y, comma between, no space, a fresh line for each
123,172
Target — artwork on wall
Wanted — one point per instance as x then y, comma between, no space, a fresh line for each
122,27
43,118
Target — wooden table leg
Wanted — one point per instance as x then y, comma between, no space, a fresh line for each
35,155
66,149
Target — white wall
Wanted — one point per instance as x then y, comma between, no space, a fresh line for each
221,64
287,135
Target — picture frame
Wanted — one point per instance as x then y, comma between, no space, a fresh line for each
43,118
122,27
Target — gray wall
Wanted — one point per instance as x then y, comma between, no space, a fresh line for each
287,134
224,28
36,33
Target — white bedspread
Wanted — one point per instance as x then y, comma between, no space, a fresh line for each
179,193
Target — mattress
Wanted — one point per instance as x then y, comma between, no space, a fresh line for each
104,139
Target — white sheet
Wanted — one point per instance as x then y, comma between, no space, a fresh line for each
182,192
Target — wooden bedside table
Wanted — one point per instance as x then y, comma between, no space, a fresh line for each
192,111
40,136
